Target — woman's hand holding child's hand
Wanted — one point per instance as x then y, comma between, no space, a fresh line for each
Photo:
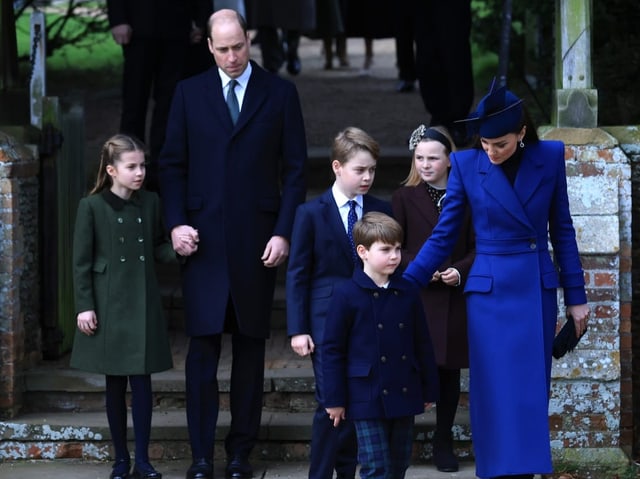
87,322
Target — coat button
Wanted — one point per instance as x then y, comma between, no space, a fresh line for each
141,258
404,357
121,239
139,220
375,294
120,220
395,292
401,325
122,259
404,390
380,326
385,392
383,359
532,243
140,239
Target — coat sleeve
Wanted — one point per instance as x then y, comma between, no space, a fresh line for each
299,272
443,239
294,159
563,236
83,252
335,350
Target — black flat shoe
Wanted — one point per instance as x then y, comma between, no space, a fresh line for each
238,467
144,471
120,469
200,469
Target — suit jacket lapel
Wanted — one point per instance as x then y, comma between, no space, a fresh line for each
214,97
331,217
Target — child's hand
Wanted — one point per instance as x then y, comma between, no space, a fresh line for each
436,277
87,322
450,277
336,414
302,344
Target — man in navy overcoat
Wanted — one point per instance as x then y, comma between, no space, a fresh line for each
230,191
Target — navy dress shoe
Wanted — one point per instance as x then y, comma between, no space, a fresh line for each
120,469
144,471
200,469
238,467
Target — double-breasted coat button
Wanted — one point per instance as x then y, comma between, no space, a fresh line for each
380,326
385,392
404,390
532,243
122,259
121,239
401,325
141,258
376,294
140,239
139,220
383,359
120,220
404,357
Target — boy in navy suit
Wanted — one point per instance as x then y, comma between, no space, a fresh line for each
321,254
379,367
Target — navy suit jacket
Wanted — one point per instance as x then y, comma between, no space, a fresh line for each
238,186
320,256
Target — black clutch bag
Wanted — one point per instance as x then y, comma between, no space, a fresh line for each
566,340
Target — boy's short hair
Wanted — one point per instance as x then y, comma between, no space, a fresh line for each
350,141
375,226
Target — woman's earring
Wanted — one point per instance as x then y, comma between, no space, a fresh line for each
521,143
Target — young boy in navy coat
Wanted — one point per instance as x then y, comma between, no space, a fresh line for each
379,366
321,255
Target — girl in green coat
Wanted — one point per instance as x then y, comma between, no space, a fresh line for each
121,330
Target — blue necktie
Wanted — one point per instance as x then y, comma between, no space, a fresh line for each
232,101
352,218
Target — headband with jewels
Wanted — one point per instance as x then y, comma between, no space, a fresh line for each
498,113
423,133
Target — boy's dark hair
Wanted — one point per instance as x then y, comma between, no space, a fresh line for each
375,226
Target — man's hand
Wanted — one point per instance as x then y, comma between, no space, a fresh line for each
185,240
302,344
122,33
276,252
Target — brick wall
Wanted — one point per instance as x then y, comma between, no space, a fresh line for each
19,270
591,409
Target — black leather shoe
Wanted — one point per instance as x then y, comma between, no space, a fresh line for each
294,66
144,471
120,469
444,458
200,469
404,86
238,467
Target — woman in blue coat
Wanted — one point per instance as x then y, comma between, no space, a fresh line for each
515,186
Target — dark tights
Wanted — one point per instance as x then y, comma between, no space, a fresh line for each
141,406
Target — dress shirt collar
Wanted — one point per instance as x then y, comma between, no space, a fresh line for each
342,200
242,80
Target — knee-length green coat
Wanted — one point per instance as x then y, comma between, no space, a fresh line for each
115,246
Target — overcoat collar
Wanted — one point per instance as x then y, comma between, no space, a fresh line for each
365,282
513,198
254,97
118,203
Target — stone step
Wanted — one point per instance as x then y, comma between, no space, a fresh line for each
283,435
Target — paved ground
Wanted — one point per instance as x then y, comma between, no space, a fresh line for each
176,470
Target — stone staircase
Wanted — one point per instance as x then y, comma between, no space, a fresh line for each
64,414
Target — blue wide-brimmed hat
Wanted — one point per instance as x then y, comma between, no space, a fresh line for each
497,114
